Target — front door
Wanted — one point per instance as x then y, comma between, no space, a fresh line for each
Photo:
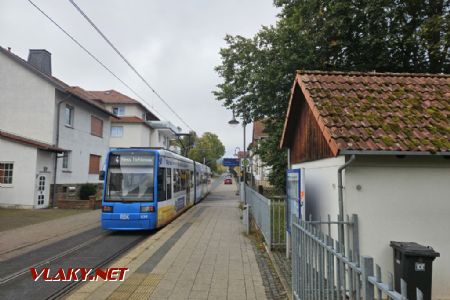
42,190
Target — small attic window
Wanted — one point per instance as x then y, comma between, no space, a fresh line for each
119,111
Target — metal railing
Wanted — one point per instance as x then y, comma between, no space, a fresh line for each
269,216
323,268
259,207
278,221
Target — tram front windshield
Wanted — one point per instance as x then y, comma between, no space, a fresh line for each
130,177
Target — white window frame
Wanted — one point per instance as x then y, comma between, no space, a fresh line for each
120,111
9,184
67,155
71,110
116,127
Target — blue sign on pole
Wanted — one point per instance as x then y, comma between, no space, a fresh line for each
230,162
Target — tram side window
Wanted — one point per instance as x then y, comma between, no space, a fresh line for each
176,180
168,183
162,184
197,178
182,180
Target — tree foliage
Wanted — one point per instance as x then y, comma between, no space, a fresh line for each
185,143
207,148
364,35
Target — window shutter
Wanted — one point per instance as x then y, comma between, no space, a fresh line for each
96,126
94,164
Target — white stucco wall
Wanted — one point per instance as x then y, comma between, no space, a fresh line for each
134,135
81,143
130,109
159,138
27,102
399,200
321,193
22,190
404,200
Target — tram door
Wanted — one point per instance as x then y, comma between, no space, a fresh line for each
42,192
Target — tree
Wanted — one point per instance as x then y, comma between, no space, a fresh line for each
207,148
186,142
347,35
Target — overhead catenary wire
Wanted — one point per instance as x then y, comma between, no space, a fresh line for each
95,58
127,62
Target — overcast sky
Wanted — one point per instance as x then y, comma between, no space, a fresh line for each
173,43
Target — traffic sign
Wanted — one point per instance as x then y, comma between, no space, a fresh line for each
230,162
245,162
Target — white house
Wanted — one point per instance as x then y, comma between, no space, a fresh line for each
43,110
134,124
26,168
393,132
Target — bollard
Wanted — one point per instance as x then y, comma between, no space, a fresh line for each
245,219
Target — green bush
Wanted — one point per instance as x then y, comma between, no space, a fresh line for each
86,190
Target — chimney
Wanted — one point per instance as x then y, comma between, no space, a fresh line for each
41,59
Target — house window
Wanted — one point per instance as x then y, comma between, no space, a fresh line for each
116,131
68,116
6,173
96,126
119,110
66,160
94,164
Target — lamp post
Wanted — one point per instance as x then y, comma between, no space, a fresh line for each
236,153
234,122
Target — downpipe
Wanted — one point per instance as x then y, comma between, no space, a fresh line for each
55,168
341,199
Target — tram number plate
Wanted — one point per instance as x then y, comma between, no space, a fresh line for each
124,216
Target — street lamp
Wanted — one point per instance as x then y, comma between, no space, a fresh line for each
233,122
236,153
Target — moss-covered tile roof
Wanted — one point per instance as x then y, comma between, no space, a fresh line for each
382,111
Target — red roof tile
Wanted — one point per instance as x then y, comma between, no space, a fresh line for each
379,111
112,97
29,142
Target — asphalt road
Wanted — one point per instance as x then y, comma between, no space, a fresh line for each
90,249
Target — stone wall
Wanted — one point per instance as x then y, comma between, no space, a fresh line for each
68,197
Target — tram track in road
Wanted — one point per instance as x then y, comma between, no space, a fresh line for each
96,252
73,284
23,271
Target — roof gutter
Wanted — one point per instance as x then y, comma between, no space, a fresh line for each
386,152
341,198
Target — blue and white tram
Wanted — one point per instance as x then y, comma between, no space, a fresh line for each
147,188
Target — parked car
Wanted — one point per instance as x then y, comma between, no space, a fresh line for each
228,181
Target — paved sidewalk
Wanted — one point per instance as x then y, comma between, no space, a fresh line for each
24,239
203,254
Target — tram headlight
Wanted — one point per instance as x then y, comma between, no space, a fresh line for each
107,208
146,209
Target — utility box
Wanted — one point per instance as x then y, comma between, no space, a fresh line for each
413,263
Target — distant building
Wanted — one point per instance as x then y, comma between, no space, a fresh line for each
260,172
393,131
41,116
134,124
